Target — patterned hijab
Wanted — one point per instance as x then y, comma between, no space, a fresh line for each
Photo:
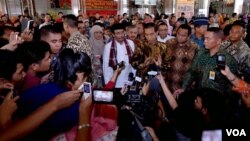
98,45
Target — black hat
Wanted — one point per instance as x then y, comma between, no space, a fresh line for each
117,27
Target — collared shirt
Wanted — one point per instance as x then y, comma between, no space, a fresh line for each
198,41
204,66
240,52
122,55
165,39
181,57
79,43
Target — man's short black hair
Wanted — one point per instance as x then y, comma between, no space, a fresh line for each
32,52
160,24
8,63
150,25
186,27
124,14
60,13
131,27
117,26
241,24
218,33
71,20
45,30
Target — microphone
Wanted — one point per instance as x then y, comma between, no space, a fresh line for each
130,79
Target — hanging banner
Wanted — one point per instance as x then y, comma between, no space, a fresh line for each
186,6
103,7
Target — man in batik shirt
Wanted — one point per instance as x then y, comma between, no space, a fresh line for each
77,41
149,51
204,70
238,49
182,51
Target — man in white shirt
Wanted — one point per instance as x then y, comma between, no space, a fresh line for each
162,30
116,51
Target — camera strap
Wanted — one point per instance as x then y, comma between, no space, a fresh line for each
137,120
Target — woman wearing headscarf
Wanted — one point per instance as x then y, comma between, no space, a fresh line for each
98,42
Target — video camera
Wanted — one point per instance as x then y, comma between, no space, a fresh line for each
134,90
142,111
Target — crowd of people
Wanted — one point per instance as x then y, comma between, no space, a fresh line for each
193,75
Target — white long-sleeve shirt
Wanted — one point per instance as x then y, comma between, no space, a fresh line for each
121,56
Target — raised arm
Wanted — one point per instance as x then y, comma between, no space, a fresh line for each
84,129
34,120
167,93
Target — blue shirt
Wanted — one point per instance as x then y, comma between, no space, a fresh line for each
199,42
60,121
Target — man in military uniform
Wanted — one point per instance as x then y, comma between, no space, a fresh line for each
238,49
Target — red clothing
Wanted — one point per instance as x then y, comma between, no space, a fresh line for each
30,81
110,85
59,20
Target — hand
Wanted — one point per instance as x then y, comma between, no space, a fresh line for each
118,70
148,61
226,71
124,89
66,99
45,78
7,108
6,86
160,78
145,88
14,41
152,133
158,61
27,35
177,93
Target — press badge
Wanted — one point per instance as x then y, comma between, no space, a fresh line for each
212,75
